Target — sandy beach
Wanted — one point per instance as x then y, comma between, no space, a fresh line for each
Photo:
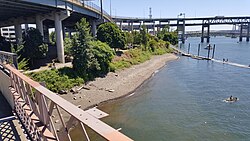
118,84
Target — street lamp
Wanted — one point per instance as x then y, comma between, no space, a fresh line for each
181,14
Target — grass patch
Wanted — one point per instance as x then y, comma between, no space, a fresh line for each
58,80
137,56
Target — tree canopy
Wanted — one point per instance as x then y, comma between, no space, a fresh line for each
33,45
91,58
111,34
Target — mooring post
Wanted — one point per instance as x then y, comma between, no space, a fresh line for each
199,46
213,51
188,48
208,53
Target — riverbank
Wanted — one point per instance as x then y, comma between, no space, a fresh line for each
119,84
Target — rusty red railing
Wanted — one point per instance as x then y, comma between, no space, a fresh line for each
37,107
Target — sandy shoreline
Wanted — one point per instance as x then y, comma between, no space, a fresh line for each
119,84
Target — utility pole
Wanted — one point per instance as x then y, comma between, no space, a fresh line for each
150,13
110,8
101,10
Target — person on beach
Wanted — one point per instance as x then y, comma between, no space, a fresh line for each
223,60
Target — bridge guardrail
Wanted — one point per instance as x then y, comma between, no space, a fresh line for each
37,108
91,6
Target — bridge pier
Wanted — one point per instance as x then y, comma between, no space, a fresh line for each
59,17
208,33
18,32
247,28
121,25
93,27
46,34
39,24
181,27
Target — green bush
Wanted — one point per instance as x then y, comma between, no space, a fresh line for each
104,55
58,80
111,34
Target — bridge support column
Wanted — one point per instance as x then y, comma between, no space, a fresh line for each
202,34
46,34
121,25
18,33
93,27
131,27
183,33
248,28
241,32
154,28
59,17
39,24
208,33
207,36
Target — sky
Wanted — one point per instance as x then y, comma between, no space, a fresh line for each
171,8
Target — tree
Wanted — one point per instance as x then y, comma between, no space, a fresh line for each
34,48
104,55
83,58
91,58
136,37
171,37
4,45
144,37
111,34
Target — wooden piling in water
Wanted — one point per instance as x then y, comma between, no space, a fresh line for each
199,46
188,48
208,53
213,51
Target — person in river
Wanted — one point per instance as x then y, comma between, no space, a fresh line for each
231,98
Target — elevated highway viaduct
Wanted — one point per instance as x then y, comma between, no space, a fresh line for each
58,14
156,24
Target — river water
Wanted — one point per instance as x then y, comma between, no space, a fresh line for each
184,100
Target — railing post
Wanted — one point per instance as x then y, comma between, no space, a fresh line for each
15,62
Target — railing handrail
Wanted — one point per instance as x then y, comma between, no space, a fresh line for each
95,124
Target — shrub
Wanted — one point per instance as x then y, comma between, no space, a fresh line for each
58,80
111,34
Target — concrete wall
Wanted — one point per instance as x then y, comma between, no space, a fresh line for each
4,88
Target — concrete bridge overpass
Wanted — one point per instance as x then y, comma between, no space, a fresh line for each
61,14
156,24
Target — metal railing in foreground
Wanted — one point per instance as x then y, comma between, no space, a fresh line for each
36,106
